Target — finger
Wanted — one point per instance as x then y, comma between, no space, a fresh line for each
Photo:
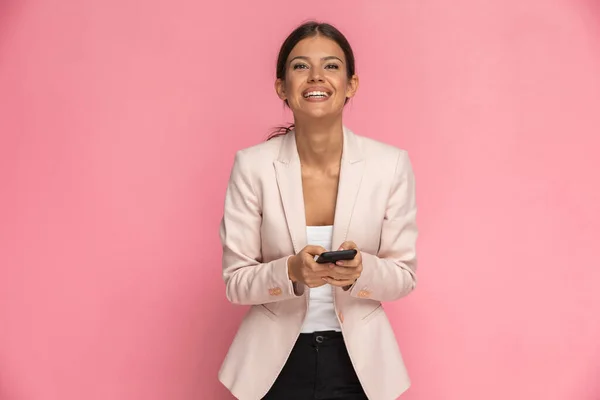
347,245
314,250
339,283
344,272
315,283
320,269
348,263
343,277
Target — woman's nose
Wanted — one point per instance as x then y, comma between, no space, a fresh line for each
315,76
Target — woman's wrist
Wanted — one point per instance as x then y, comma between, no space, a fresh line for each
289,270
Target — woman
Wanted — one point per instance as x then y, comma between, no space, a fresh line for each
317,331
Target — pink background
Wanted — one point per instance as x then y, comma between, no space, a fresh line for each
119,121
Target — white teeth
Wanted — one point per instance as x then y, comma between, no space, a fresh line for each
315,94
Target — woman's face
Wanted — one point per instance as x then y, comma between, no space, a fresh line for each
316,84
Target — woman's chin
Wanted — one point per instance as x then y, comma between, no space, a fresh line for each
319,114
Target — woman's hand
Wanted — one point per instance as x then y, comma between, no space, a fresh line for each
303,268
345,273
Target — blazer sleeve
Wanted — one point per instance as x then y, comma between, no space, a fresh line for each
390,274
248,281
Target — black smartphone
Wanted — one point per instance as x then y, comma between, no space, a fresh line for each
333,256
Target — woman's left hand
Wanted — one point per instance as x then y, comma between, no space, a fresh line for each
345,273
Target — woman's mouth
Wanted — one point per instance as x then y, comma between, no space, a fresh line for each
316,95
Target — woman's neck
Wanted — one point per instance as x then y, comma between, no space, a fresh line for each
319,145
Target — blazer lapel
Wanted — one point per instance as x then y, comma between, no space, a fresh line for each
289,181
351,173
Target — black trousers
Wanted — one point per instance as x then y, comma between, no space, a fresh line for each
318,368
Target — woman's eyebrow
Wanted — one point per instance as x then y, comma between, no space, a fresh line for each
322,59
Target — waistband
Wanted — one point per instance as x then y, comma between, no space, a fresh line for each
321,337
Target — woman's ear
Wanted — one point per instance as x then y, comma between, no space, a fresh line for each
280,89
352,87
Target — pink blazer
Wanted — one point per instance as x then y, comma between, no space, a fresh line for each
264,224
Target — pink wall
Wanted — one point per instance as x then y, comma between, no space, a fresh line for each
119,121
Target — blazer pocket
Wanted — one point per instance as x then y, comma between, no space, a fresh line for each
375,312
266,311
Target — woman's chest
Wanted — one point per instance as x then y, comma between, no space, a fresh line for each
320,197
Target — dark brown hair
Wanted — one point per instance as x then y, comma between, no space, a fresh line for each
306,30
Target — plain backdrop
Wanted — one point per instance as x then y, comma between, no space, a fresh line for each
119,121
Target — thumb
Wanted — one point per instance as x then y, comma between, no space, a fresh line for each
314,250
347,245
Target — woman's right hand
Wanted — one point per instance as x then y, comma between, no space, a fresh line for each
303,268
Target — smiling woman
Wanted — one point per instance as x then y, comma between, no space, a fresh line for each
317,329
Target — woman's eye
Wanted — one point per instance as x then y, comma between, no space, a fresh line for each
300,66
332,66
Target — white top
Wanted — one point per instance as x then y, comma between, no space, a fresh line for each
321,314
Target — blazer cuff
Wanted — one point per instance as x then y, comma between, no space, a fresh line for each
295,289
